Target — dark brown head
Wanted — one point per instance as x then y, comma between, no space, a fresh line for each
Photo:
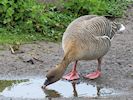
54,75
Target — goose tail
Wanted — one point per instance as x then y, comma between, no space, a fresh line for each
122,28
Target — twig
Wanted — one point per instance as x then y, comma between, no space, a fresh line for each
12,50
38,59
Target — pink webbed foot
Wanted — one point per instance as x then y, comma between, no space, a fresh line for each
93,75
73,75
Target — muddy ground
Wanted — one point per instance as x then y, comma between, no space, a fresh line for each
39,57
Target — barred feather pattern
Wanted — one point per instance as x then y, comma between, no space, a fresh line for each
89,37
115,28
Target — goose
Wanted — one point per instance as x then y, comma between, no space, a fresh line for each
86,38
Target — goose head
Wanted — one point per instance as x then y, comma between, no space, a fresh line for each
54,75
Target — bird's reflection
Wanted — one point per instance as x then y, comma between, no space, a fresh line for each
51,93
75,93
55,94
98,91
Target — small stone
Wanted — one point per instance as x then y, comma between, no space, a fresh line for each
130,65
119,63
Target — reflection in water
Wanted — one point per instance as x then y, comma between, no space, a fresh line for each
75,93
74,89
31,88
98,90
51,93
8,83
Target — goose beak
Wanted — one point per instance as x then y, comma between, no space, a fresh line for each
44,87
46,83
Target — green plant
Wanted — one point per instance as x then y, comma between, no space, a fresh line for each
16,13
28,16
99,7
24,20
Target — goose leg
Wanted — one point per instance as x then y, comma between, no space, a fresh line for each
96,74
73,74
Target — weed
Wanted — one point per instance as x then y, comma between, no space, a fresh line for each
28,20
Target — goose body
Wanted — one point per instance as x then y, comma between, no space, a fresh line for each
86,38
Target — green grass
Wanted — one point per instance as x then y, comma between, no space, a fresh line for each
22,38
7,37
26,21
11,38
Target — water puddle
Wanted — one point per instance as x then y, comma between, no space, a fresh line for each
31,88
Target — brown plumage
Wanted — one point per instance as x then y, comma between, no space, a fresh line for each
86,38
